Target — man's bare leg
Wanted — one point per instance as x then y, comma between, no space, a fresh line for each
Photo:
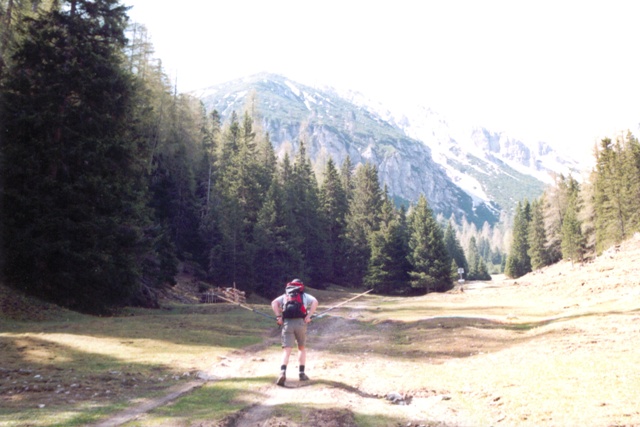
286,353
302,358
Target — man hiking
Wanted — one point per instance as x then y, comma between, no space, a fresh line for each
293,311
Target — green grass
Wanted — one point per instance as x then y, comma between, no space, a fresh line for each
88,367
209,403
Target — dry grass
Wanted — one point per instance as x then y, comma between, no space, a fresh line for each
555,348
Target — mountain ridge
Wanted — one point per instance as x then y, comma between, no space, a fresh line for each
416,151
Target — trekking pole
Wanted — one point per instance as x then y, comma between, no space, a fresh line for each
320,315
246,307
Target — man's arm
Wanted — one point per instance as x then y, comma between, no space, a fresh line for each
277,310
311,310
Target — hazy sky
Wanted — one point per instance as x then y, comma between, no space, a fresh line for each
566,72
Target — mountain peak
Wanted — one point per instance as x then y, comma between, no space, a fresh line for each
462,170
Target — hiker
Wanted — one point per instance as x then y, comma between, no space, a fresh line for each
293,311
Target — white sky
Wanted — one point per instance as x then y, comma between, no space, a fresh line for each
563,71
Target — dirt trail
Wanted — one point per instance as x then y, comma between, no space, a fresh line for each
321,334
555,348
340,385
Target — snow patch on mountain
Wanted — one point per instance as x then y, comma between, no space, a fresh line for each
459,167
453,140
293,88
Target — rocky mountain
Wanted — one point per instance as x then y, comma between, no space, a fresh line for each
462,171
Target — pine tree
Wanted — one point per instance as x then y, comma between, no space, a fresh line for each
483,272
174,179
305,205
430,261
12,13
473,257
362,220
610,195
73,205
537,237
388,269
572,240
346,176
454,248
633,173
276,246
241,198
518,261
334,206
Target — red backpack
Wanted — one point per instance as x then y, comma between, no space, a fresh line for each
294,301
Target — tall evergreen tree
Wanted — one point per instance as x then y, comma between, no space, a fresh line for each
174,178
73,201
306,210
473,257
518,261
454,248
334,206
277,248
241,198
12,13
572,238
616,190
537,237
633,173
430,261
346,176
388,269
362,220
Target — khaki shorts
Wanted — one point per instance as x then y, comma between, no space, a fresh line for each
294,330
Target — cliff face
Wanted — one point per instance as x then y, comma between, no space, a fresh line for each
415,154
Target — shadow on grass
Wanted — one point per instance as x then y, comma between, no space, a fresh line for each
78,371
45,383
434,339
527,326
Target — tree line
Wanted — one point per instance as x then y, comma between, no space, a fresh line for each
576,221
112,181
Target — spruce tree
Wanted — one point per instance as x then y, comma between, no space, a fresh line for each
454,248
518,261
362,220
334,206
616,188
346,176
174,179
473,257
388,269
277,249
73,201
241,198
572,239
633,173
305,205
430,261
537,237
12,13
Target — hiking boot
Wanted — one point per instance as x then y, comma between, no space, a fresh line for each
303,377
282,378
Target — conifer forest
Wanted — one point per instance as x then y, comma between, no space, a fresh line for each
111,182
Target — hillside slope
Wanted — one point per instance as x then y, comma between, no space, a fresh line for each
462,170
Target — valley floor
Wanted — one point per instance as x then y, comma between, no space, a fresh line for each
554,348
